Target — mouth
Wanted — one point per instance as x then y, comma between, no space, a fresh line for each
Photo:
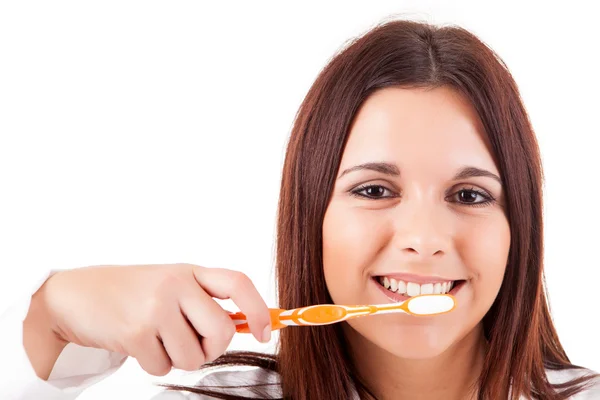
398,290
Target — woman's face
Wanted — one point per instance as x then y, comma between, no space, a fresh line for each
420,220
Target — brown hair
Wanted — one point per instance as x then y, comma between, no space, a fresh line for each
523,342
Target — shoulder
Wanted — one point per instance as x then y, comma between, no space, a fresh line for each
266,383
592,391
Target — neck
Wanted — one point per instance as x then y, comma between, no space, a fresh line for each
450,375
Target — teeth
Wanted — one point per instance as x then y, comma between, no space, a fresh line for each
427,288
414,289
401,287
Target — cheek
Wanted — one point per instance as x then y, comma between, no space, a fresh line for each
485,247
348,246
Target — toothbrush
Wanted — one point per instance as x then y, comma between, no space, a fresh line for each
325,314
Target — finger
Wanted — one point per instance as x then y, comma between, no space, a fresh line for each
211,322
151,355
181,341
227,284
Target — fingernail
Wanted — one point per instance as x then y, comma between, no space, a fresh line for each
266,336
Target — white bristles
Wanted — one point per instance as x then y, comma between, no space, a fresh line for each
426,305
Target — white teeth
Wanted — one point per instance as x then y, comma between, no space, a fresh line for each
427,288
414,289
401,287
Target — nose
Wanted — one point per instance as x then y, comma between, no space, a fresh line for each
421,233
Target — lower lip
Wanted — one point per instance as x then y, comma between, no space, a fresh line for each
398,298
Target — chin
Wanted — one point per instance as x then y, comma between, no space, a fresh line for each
409,341
416,351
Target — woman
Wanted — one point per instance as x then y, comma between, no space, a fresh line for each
412,168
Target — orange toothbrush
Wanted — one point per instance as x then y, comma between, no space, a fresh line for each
325,314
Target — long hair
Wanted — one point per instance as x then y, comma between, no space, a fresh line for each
523,342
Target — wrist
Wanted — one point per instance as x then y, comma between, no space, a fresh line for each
41,341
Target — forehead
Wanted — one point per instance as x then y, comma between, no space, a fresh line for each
428,129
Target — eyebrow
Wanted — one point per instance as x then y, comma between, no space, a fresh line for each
393,170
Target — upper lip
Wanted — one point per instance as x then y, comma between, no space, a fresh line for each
420,279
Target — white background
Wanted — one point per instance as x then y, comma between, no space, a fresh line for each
155,132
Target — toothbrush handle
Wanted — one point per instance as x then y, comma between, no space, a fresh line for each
241,323
320,314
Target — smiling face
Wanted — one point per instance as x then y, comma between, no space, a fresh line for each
428,211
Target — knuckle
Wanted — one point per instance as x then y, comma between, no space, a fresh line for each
154,364
218,344
168,281
134,337
240,281
191,363
222,329
155,310
158,369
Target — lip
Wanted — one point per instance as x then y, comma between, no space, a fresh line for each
420,279
398,298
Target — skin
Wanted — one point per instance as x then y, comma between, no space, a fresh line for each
419,222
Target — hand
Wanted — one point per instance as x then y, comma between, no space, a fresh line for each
163,315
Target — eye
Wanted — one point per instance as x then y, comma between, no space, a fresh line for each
373,192
468,197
